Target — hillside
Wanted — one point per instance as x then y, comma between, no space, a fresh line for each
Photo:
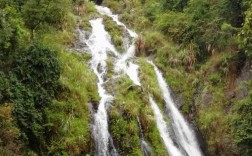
75,79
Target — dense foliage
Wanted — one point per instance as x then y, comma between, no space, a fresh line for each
33,38
33,85
204,48
206,44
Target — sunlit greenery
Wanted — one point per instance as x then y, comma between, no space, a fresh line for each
203,48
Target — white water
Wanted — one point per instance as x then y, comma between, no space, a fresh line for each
184,135
106,11
147,151
163,130
99,45
124,63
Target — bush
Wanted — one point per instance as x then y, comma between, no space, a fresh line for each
9,133
242,125
34,81
69,115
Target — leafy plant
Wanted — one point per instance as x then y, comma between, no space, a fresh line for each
241,123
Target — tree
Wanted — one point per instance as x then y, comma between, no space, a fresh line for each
174,5
246,33
39,12
12,33
33,84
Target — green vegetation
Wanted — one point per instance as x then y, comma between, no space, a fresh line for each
203,48
9,133
69,113
33,85
123,123
132,102
45,90
242,121
116,32
149,81
87,12
110,65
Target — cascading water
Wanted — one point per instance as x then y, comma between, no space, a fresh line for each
163,130
184,135
124,63
99,44
107,11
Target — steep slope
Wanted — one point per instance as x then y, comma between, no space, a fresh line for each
53,54
201,51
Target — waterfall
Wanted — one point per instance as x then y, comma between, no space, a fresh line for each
99,45
184,135
107,11
124,63
163,130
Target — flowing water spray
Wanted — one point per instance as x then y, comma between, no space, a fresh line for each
163,130
184,135
124,63
100,45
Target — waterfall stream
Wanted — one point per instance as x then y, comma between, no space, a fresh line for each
163,130
99,46
184,135
98,64
124,63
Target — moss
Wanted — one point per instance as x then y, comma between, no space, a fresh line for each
115,32
131,102
123,124
110,65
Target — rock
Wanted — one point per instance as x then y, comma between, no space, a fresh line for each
206,98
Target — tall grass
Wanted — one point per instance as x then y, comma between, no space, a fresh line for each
69,113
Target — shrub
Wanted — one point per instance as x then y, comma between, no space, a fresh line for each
34,81
242,125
